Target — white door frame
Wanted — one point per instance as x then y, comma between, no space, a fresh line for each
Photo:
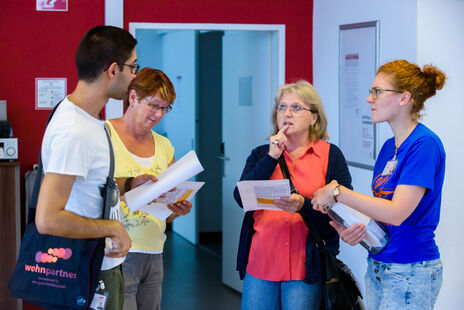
277,43
277,38
277,33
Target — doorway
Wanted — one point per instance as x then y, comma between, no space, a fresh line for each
225,77
210,145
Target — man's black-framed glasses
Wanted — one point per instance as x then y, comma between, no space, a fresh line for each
134,67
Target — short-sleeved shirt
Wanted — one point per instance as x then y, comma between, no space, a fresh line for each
146,231
75,143
421,162
278,246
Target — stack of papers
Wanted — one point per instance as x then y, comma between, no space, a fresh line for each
159,209
176,176
260,195
375,236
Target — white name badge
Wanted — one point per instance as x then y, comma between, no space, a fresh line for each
390,167
99,301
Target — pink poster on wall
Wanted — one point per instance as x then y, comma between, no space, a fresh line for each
51,5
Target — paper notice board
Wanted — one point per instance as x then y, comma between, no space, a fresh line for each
358,58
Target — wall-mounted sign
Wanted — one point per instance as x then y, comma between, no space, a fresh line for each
48,92
358,56
51,5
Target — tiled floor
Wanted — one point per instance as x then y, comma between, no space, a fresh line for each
192,278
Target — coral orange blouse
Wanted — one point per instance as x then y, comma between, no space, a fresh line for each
277,250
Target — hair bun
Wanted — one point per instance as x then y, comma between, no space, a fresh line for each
434,74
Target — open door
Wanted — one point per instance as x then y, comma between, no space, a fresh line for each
174,52
179,63
253,66
247,102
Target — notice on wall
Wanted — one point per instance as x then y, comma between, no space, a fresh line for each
51,5
358,60
48,92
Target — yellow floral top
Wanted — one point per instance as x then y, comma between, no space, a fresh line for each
146,231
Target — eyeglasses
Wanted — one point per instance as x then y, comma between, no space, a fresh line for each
295,108
375,92
134,68
156,108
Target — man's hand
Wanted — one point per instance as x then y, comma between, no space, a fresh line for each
121,241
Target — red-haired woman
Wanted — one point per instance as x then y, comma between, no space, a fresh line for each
407,187
141,153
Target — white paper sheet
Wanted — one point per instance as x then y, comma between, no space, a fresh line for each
184,191
259,195
182,170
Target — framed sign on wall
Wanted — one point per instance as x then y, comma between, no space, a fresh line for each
51,5
358,59
48,92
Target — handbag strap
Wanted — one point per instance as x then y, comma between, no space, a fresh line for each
38,180
320,243
111,173
286,173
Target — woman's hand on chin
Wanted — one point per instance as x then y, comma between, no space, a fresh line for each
277,142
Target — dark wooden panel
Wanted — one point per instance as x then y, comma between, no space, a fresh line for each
8,230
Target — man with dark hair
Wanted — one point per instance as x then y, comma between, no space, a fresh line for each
76,154
99,48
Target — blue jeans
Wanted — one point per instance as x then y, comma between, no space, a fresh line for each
260,294
412,286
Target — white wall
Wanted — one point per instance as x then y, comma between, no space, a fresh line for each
149,50
397,40
424,31
440,41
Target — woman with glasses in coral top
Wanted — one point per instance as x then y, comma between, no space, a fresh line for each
276,256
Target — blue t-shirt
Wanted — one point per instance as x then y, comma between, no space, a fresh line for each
421,161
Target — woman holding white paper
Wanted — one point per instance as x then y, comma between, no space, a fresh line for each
407,185
277,257
141,154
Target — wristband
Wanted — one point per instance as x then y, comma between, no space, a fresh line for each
336,192
128,184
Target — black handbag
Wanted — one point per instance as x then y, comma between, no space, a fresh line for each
56,272
340,290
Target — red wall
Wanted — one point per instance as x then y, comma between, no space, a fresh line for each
43,44
296,15
38,44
